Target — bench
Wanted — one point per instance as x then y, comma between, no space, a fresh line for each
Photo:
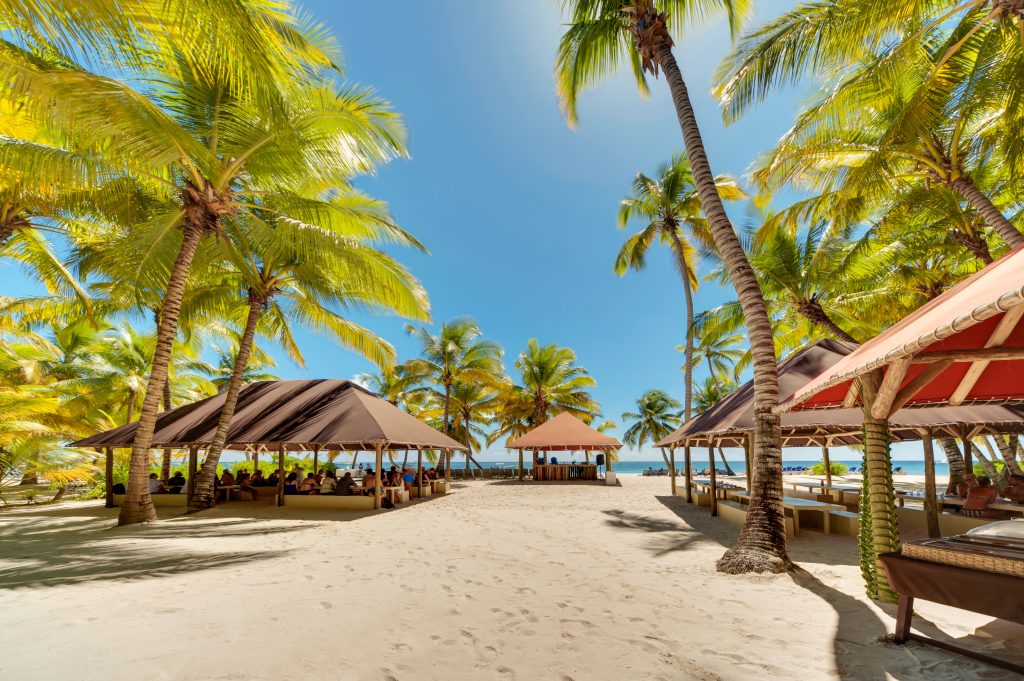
735,512
329,501
844,522
949,523
415,492
172,500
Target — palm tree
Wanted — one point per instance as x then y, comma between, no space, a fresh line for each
655,418
257,369
599,35
457,354
712,392
473,406
667,205
291,270
718,345
555,383
211,140
392,383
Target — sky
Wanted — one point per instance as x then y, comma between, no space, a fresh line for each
517,210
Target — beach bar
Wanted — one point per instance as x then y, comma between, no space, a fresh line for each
566,433
288,416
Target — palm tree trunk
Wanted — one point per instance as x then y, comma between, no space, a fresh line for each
165,469
1007,454
204,495
684,272
993,216
761,546
728,468
447,408
990,470
137,506
955,460
813,312
130,416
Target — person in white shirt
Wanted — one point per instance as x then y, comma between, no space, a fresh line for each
155,486
329,483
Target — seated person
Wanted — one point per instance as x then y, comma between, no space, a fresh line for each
227,479
346,486
1014,490
978,499
309,485
431,474
369,481
118,488
155,486
176,483
329,483
319,477
257,479
291,484
245,485
964,487
274,477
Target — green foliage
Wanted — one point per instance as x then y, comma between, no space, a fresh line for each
836,467
978,469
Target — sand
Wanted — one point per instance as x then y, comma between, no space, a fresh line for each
496,580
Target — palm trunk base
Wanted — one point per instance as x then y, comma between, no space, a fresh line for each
140,510
740,561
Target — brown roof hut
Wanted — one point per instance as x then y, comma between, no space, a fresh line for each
564,432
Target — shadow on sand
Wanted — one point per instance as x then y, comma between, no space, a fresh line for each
862,647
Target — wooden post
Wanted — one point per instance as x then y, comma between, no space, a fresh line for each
355,455
280,477
419,470
965,437
687,473
672,463
255,460
108,478
904,613
828,464
380,474
748,447
520,465
608,459
931,504
714,484
316,459
193,469
447,453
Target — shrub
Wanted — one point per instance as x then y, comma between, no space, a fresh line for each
837,468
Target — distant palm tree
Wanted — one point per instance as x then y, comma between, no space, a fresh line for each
392,383
257,369
670,208
457,353
555,383
657,415
719,346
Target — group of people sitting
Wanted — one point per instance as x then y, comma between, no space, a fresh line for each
979,493
173,485
328,482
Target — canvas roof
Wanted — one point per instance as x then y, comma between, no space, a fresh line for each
980,314
733,417
565,432
296,415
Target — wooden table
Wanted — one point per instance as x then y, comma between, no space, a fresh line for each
795,504
565,471
227,491
811,486
393,493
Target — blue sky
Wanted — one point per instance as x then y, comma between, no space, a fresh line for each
517,210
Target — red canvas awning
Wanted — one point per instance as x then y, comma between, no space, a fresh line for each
565,432
964,347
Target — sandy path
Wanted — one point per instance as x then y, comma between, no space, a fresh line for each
494,581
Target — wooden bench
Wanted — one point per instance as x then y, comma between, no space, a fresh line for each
949,523
415,492
329,501
735,512
844,522
170,500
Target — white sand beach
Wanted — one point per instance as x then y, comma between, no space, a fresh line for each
496,580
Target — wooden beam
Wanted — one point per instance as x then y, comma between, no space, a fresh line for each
999,335
851,395
672,463
931,503
687,475
280,476
379,462
193,469
917,384
984,354
714,479
890,385
108,478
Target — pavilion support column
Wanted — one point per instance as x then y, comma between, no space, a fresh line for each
520,465
355,455
828,464
379,448
748,463
714,479
447,453
931,503
256,460
108,478
316,459
193,469
280,477
672,464
419,471
879,524
687,474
